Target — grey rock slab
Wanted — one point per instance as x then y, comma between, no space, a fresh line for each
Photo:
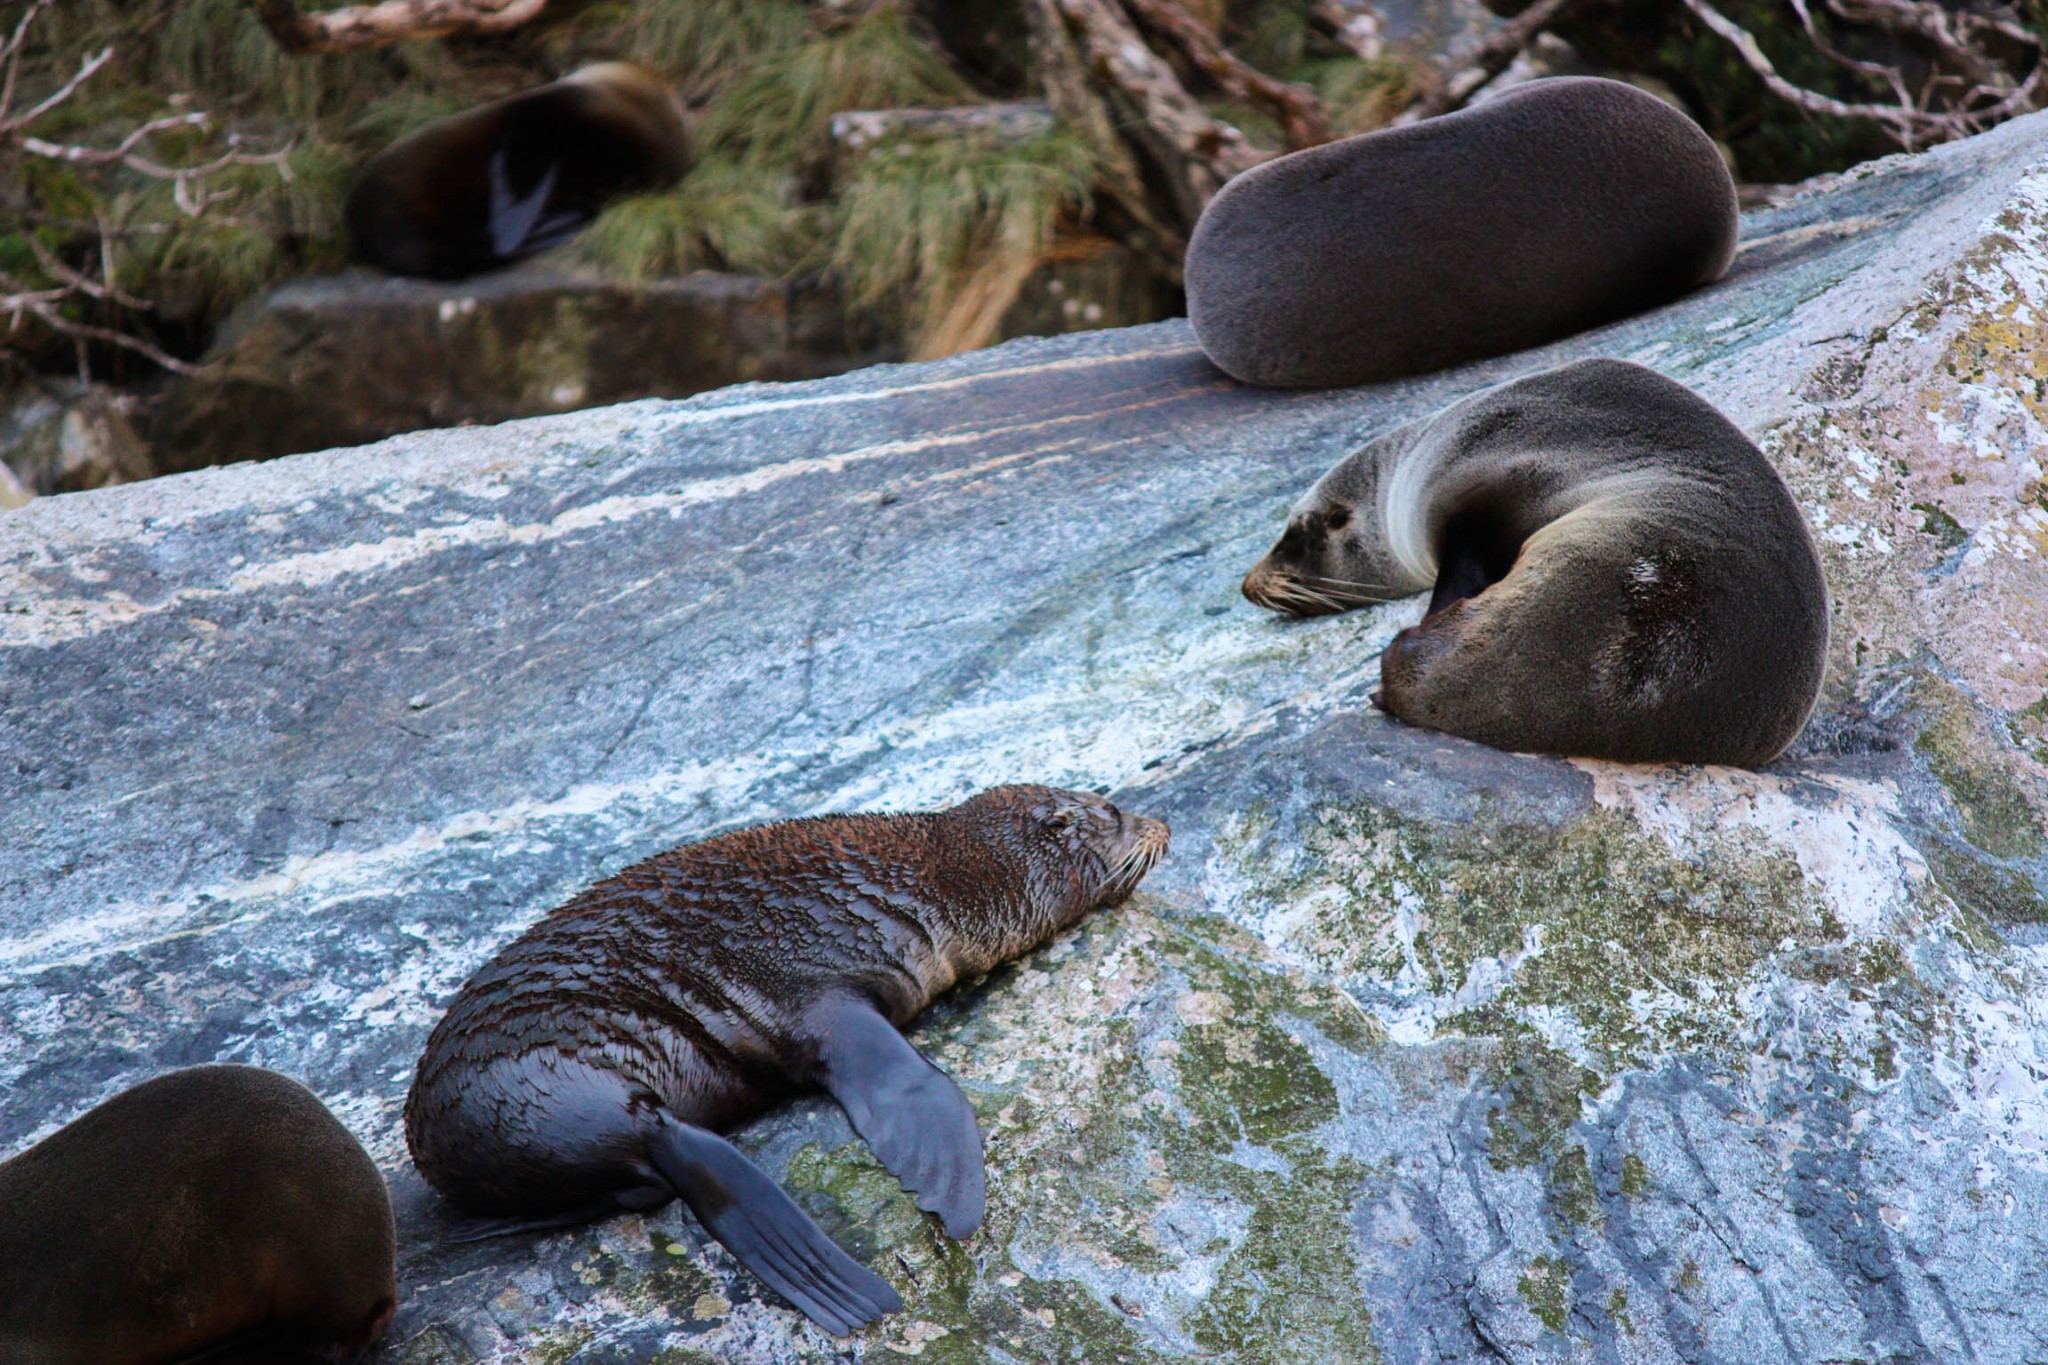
1412,1050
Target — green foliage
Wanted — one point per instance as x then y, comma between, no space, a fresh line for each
780,111
722,217
919,217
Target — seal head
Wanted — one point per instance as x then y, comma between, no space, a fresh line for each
584,1070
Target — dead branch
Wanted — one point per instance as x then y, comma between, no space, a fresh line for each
391,21
1911,122
1079,106
1299,111
1494,56
62,282
1203,151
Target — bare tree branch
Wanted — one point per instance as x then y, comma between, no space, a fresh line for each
1300,112
1208,151
62,282
1080,106
1494,56
391,21
1912,123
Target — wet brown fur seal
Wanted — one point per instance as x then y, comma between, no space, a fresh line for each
582,1071
1558,206
517,175
1616,571
215,1207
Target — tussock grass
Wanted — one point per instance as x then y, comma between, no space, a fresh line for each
923,220
779,112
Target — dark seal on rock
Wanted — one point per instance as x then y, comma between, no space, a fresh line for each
583,1070
1616,571
1555,207
218,1212
518,175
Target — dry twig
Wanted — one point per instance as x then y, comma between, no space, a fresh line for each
23,299
1911,121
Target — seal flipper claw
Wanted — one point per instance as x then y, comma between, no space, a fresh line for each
754,1219
911,1114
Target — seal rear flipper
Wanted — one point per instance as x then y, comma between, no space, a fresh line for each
910,1113
764,1229
513,221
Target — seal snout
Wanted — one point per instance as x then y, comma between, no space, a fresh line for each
1274,587
1140,844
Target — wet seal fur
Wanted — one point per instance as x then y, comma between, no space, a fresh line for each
1617,572
518,175
216,1213
1560,205
582,1071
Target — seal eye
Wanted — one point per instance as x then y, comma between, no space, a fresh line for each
1337,518
1061,819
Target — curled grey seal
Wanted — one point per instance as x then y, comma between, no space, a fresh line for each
583,1070
1556,207
1616,571
518,175
215,1208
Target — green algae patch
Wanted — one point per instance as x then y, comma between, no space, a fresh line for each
1149,1094
1977,772
1289,1292
1546,1287
1645,949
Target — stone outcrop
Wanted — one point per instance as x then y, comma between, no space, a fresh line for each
1412,1051
355,357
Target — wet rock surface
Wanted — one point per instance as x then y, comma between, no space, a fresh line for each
1412,1050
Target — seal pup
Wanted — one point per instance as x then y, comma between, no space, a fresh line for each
584,1069
1615,571
215,1209
517,175
1560,205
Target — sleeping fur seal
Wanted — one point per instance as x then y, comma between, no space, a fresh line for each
219,1209
584,1069
1616,571
518,175
1556,207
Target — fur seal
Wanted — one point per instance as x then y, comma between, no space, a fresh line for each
517,175
584,1069
1558,206
1616,571
219,1208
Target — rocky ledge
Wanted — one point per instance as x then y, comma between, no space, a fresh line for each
1413,1051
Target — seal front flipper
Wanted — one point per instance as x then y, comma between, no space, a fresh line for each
765,1230
910,1113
